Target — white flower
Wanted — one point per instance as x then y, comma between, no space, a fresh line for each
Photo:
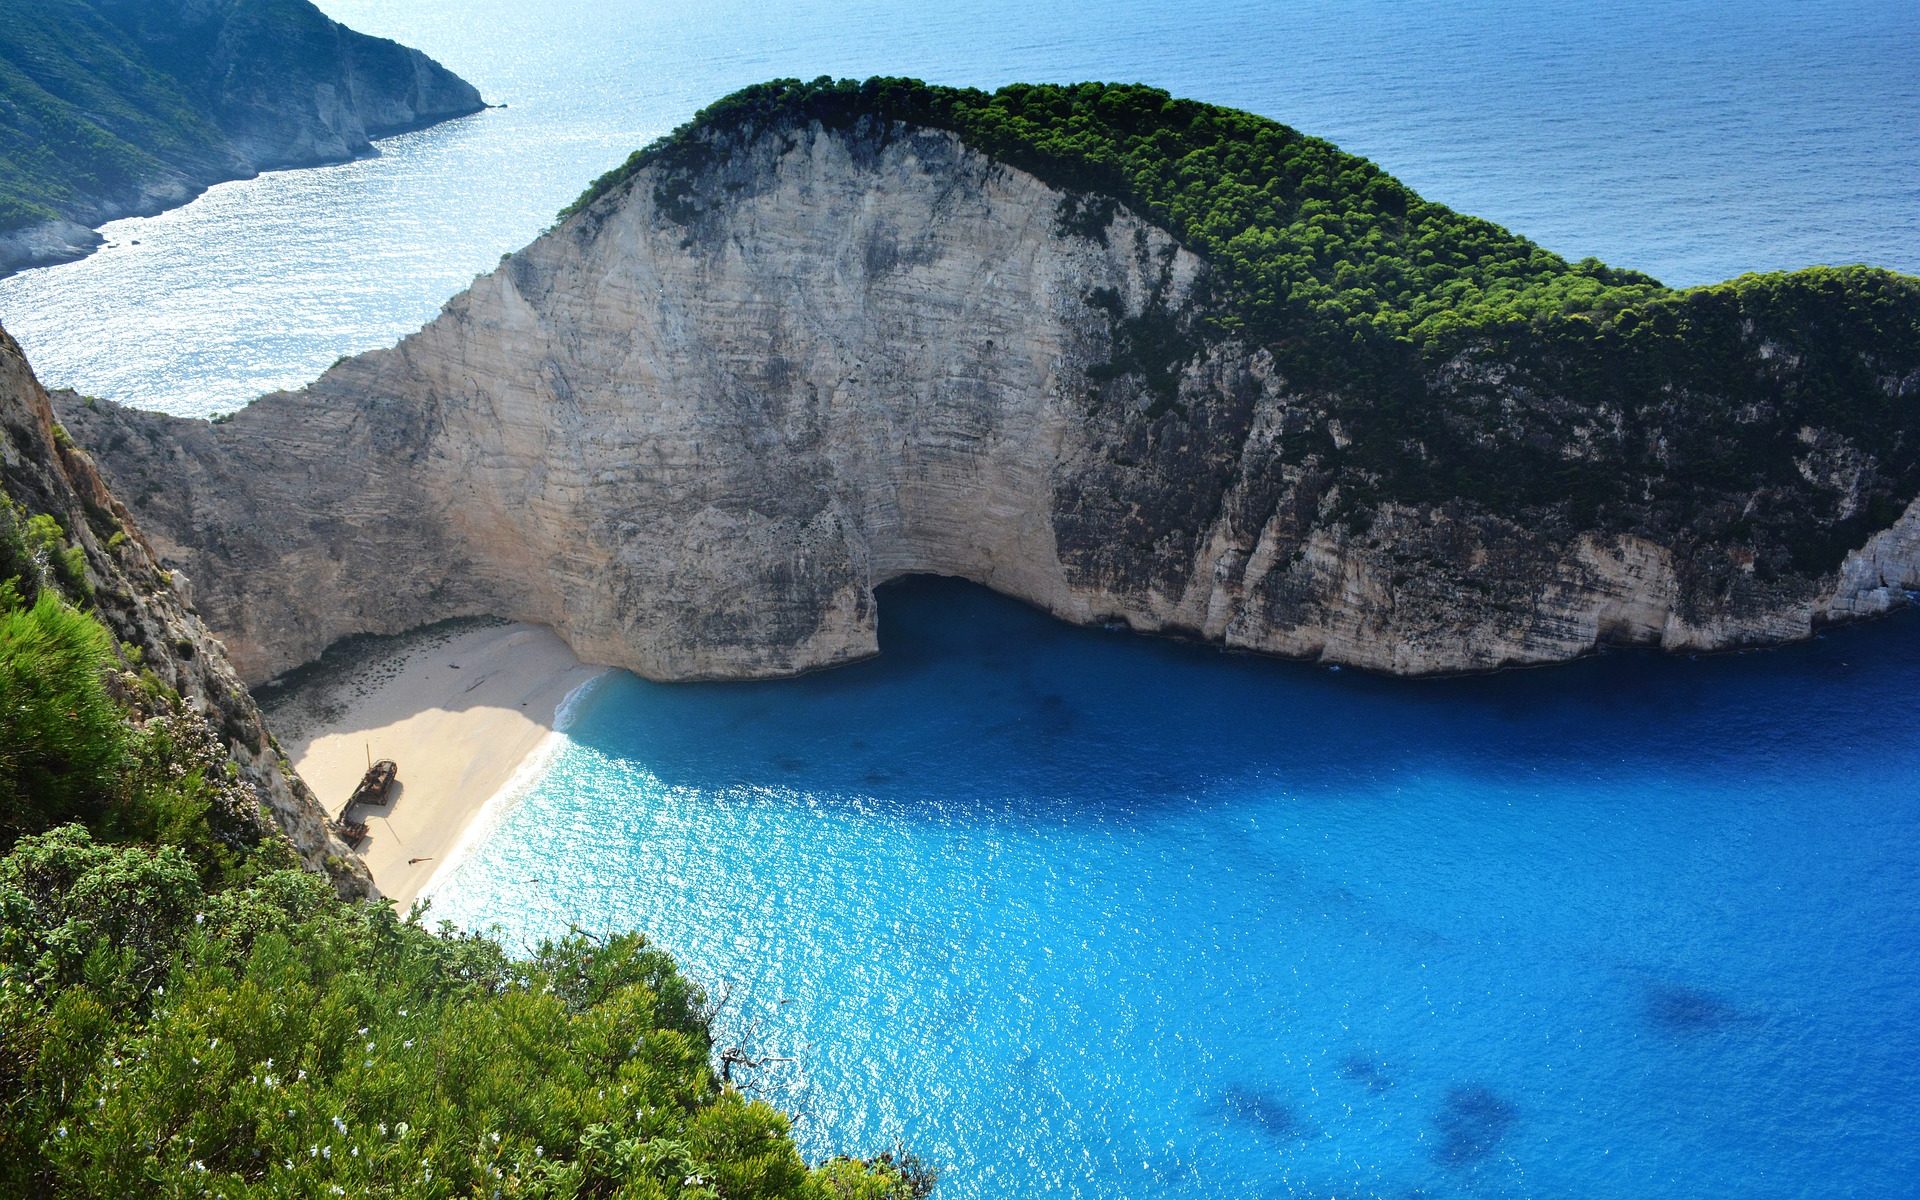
495,1135
340,1125
539,1152
407,1045
402,1128
302,1076
63,1131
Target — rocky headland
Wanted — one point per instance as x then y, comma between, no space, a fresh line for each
1127,358
117,108
167,660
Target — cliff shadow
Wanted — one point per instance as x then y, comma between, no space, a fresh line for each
976,699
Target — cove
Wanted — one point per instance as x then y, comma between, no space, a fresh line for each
1080,914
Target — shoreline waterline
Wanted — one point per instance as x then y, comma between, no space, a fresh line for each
1088,917
486,820
468,710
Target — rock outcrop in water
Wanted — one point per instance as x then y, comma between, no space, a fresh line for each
116,108
806,347
148,612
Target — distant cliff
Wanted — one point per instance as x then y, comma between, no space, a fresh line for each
1126,357
167,663
114,108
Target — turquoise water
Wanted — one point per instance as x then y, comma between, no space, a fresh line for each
1085,915
1694,139
1088,916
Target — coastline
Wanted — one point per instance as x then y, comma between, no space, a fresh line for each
469,710
80,233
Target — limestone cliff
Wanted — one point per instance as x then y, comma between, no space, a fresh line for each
115,108
149,612
695,425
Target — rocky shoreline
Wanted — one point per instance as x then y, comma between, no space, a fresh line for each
220,92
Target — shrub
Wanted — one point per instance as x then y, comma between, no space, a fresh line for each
63,741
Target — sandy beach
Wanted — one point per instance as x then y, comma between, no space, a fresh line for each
459,707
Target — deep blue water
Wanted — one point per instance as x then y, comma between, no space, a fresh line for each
1078,915
1086,915
1694,139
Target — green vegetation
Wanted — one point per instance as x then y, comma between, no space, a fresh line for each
186,1012
85,114
1398,315
1303,235
108,104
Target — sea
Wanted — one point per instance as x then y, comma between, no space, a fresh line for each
1085,915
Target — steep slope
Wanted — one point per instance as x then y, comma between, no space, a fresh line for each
110,108
148,612
1125,357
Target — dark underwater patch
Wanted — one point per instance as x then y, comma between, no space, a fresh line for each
1682,1011
1369,1072
1262,1110
1053,717
1471,1121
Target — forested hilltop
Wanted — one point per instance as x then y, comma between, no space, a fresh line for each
111,108
1127,357
189,1009
1382,304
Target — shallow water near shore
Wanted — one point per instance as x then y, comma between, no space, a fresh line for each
1083,915
1077,914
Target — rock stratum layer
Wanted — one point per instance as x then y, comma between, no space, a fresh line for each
695,425
116,108
149,613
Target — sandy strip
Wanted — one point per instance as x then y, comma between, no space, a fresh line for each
459,707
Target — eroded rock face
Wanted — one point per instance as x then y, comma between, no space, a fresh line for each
150,611
694,426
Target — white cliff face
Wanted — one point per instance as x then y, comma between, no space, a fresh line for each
697,424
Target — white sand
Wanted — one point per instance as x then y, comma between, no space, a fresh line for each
457,708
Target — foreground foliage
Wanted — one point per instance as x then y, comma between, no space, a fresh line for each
185,1012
